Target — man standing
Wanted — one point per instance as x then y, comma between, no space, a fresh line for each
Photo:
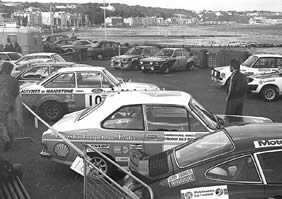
9,90
236,91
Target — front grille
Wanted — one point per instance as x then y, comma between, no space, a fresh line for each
216,74
158,164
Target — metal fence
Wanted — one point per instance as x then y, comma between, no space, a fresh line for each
98,185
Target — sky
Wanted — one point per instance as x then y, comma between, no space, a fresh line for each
197,5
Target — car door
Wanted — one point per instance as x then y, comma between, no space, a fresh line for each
270,164
263,65
240,175
168,126
179,59
126,124
91,88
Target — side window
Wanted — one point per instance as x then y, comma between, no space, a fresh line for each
171,118
279,62
241,169
126,118
36,73
4,57
265,63
91,80
177,53
271,164
114,45
64,80
54,69
147,52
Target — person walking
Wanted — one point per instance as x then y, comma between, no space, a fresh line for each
9,46
9,91
236,91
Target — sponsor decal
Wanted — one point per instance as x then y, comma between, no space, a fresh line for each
181,178
61,150
59,91
178,137
212,192
268,143
78,166
117,149
122,159
266,81
31,91
100,146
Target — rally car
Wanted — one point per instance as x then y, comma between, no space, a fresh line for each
38,71
237,162
167,60
269,86
71,89
130,59
150,121
255,64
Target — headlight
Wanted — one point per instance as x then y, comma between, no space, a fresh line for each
151,63
223,75
141,62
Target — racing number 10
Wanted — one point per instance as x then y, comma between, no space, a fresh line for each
91,100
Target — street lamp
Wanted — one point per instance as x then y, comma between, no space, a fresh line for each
105,26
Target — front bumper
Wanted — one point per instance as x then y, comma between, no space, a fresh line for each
216,78
120,64
149,67
47,155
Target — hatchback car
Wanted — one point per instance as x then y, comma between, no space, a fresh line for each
167,60
75,88
81,43
255,64
151,121
130,59
237,162
38,71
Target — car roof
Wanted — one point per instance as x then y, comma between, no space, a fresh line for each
244,136
55,63
175,48
149,97
8,52
40,54
82,67
268,55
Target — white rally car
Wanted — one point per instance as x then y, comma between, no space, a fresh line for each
255,64
269,86
71,89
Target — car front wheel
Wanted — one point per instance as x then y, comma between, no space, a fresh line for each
269,93
190,66
51,111
166,69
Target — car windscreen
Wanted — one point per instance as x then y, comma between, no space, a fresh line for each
134,51
14,56
250,61
111,77
165,52
207,117
58,58
203,148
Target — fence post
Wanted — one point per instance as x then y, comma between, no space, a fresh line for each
85,172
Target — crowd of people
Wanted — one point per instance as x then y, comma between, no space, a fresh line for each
11,46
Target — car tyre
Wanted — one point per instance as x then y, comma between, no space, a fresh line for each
190,66
100,57
69,51
51,111
166,69
134,66
102,164
269,93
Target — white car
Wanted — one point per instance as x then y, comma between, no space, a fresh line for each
75,88
269,86
255,64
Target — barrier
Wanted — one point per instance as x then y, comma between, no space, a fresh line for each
97,185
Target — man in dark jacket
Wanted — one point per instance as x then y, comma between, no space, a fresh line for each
236,91
9,91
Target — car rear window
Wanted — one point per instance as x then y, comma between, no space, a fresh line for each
203,148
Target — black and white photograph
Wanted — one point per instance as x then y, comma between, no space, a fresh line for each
140,99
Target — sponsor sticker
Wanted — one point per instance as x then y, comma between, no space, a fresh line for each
122,159
78,166
181,178
268,143
100,146
212,192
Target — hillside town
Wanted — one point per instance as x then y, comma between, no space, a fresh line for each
61,16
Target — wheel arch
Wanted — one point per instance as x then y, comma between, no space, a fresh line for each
273,85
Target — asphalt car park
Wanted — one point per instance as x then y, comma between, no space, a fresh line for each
46,179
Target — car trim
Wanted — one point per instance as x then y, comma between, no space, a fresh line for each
259,165
96,141
188,165
243,182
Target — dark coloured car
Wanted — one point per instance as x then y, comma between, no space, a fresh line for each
237,162
106,49
130,59
81,43
39,71
167,60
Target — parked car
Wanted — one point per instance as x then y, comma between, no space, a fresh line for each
255,64
269,86
10,56
38,71
167,60
106,49
75,88
130,59
237,162
81,43
150,121
53,38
